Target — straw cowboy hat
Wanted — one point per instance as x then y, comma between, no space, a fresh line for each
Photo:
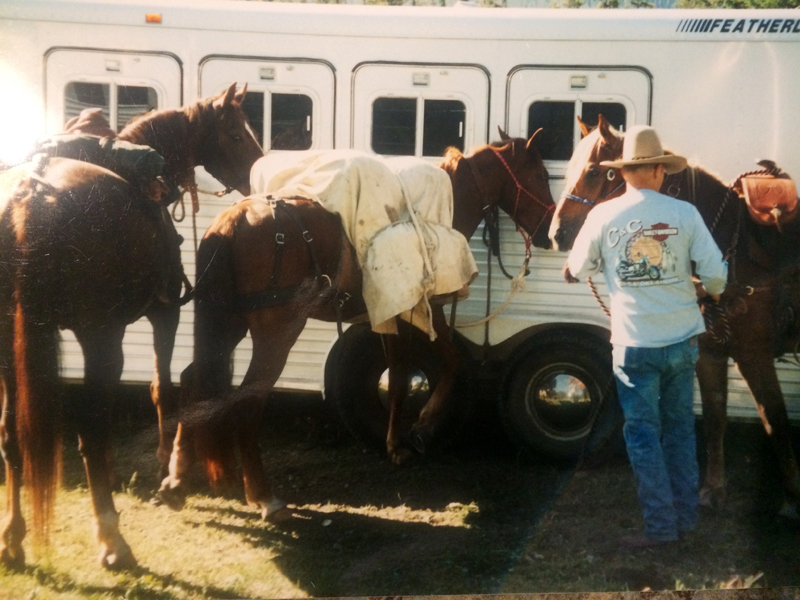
641,147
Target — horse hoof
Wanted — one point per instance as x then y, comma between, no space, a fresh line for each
789,511
712,497
274,510
121,560
420,440
13,559
279,516
172,496
399,456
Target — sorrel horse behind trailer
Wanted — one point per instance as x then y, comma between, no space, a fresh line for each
756,318
294,255
82,249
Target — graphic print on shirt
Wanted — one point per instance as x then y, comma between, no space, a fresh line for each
646,258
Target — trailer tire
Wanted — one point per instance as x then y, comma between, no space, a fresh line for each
353,384
587,423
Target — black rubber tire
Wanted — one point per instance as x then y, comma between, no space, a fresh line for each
561,433
352,375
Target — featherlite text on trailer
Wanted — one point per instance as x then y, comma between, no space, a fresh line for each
720,86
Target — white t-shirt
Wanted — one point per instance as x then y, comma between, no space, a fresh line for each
644,243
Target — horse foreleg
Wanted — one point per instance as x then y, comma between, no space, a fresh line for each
423,430
759,373
164,319
103,359
13,532
712,374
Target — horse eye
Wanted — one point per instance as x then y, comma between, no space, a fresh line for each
610,174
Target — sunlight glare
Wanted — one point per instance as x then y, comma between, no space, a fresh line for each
21,121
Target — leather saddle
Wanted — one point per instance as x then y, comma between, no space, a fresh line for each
771,199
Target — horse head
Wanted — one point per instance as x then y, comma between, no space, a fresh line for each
229,154
587,182
514,169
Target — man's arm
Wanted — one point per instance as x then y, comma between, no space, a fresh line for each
709,264
584,259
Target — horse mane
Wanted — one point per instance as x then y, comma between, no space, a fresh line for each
450,159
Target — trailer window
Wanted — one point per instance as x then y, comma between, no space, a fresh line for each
557,122
79,95
613,112
131,101
290,120
394,126
443,126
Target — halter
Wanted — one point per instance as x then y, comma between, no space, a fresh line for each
520,190
591,203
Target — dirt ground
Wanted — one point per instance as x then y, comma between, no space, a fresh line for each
477,518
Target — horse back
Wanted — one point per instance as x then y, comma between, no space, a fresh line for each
281,248
88,234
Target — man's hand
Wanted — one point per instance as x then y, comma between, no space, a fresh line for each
567,275
701,291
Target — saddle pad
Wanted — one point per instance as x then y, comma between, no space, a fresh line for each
769,199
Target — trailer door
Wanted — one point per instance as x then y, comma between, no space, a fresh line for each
418,110
289,102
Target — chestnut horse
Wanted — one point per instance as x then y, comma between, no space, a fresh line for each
247,282
81,249
755,320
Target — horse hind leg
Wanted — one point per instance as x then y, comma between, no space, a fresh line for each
103,359
273,331
397,358
423,430
759,373
13,530
712,375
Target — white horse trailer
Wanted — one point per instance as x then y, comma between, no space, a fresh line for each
720,86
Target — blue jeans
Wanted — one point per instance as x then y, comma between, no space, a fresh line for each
655,387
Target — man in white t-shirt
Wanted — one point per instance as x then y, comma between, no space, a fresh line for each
645,244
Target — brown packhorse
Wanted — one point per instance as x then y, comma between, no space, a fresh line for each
756,318
81,249
248,282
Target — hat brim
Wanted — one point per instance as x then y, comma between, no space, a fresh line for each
671,162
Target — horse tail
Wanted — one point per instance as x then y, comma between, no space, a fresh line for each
36,345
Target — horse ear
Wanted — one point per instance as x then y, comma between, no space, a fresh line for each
605,130
584,128
529,145
239,97
229,95
503,135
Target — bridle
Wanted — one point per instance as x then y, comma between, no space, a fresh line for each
611,175
601,198
527,237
